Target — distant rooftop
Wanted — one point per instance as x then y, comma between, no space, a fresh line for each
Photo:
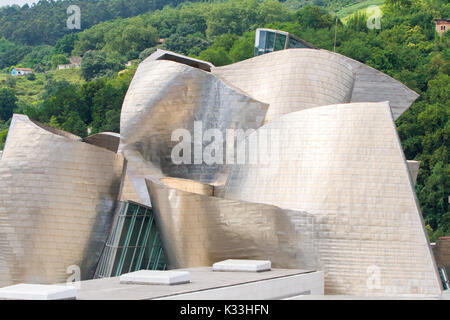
24,69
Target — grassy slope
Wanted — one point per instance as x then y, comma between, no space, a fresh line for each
345,12
29,91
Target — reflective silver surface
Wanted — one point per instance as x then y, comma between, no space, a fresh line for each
414,167
344,164
165,96
57,196
336,194
199,230
297,79
341,163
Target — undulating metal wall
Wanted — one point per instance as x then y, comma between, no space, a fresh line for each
344,164
165,96
199,230
57,196
297,79
340,165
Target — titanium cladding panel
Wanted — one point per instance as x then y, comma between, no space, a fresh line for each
297,79
57,196
165,96
292,80
199,230
344,165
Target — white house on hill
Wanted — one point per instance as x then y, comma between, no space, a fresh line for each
20,71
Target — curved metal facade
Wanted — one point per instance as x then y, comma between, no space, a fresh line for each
344,164
341,165
292,80
57,196
165,96
335,195
297,79
199,230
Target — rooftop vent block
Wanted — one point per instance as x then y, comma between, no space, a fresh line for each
155,277
37,292
243,265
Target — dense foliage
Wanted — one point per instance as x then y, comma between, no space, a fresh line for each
8,102
406,47
45,21
26,32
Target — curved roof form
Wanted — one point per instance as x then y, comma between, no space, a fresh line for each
165,97
344,164
160,54
210,229
297,79
107,140
56,131
58,196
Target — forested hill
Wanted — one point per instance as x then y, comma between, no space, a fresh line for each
89,100
45,21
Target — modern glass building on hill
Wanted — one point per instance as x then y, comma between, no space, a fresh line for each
268,40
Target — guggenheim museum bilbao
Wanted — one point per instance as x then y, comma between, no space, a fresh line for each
291,156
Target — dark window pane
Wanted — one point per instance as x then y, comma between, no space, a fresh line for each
295,44
280,41
270,41
262,39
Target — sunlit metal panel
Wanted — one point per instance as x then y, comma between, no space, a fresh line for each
297,79
165,96
57,199
199,230
344,164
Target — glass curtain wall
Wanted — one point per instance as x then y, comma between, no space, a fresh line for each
134,243
267,41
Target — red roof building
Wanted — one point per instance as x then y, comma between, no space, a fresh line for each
442,25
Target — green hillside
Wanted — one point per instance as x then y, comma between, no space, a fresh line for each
357,7
29,91
332,6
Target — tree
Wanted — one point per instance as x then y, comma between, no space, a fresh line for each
243,48
146,53
314,17
398,3
434,196
66,44
75,124
218,57
8,102
189,45
59,59
3,135
31,77
358,21
96,64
